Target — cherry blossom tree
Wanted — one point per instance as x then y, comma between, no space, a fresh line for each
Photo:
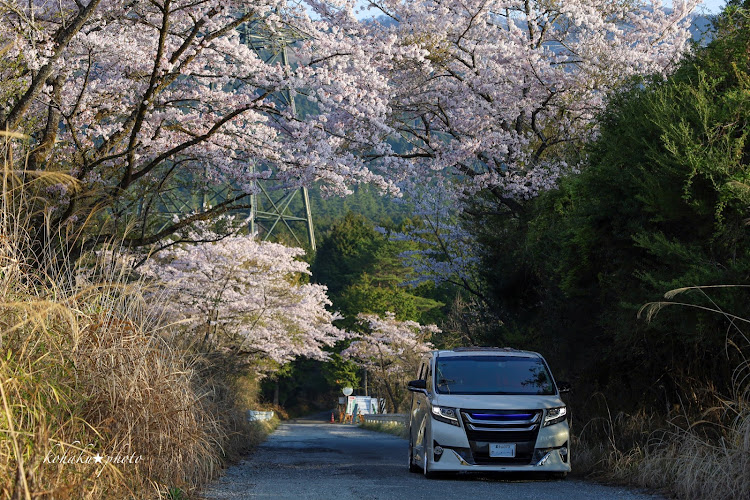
503,91
245,295
148,101
446,251
501,98
390,350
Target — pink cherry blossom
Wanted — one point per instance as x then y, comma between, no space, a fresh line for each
391,350
247,295
150,103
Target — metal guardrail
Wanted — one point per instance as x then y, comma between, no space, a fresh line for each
398,418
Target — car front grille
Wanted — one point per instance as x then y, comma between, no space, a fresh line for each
502,426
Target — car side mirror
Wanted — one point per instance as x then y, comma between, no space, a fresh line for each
563,387
419,385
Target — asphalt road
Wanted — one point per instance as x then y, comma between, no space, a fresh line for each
319,460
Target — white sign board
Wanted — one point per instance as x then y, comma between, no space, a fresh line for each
254,416
365,405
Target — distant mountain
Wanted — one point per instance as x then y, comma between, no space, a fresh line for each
701,28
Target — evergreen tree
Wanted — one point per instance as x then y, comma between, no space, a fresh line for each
661,203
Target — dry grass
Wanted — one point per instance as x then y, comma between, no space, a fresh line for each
87,371
610,446
394,428
703,453
690,457
260,430
112,388
710,458
695,467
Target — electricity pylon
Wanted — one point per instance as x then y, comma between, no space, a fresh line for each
272,205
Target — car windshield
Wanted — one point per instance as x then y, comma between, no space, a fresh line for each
493,375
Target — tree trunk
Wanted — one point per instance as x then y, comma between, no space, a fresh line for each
389,390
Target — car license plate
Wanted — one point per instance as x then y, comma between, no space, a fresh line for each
503,450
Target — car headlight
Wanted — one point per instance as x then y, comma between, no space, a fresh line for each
443,414
555,415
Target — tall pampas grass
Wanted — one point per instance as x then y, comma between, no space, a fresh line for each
706,457
90,376
694,456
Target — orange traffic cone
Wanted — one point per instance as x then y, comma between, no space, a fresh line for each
332,421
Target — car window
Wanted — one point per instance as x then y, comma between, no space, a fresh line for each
429,376
493,375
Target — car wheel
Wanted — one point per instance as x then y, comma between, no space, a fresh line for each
412,466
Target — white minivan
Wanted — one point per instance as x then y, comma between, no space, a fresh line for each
487,409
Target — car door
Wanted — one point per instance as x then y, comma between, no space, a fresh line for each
421,413
413,422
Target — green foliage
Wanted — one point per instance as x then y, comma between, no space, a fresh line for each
363,273
365,200
175,493
301,386
662,203
340,373
365,297
346,253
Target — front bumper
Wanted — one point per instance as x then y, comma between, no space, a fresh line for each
452,461
551,451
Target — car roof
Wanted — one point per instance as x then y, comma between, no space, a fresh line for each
485,351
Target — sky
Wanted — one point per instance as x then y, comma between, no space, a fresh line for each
714,6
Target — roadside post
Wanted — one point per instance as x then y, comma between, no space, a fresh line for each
347,391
